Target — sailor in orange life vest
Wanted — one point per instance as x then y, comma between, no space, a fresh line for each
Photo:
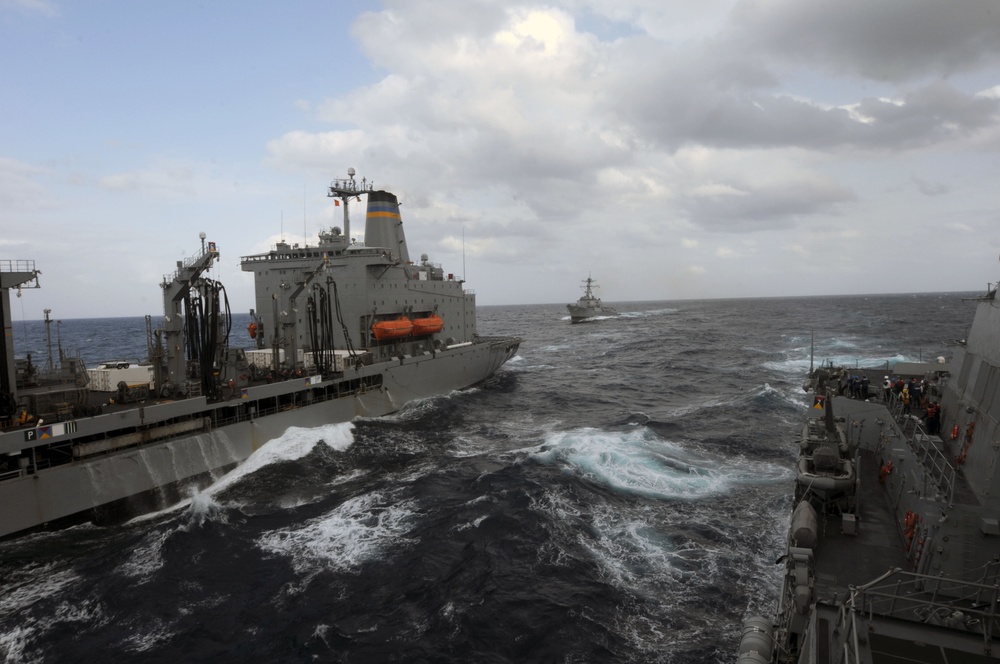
884,472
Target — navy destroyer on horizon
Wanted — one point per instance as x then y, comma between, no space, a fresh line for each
589,305
340,329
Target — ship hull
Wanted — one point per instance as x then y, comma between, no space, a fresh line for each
578,314
78,489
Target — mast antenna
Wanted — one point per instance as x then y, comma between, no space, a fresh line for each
344,189
812,350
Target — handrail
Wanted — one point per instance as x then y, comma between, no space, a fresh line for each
935,464
9,265
11,474
847,624
932,459
904,595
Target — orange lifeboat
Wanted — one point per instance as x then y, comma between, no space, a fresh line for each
392,329
427,325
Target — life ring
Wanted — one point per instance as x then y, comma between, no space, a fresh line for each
954,432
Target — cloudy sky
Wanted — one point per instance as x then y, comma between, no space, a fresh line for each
671,149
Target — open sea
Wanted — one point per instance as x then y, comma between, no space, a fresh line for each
618,492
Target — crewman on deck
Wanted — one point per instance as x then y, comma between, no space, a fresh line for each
931,417
884,472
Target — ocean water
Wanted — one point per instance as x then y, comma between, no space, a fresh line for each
618,492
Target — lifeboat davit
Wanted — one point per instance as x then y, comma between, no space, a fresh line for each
427,325
392,329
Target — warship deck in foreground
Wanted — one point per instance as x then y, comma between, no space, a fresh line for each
588,306
893,551
341,330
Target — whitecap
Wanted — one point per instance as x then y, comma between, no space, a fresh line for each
294,444
631,462
146,558
358,530
554,348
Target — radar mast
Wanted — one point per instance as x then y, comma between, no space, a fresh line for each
344,189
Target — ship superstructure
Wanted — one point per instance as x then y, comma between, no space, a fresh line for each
342,295
340,329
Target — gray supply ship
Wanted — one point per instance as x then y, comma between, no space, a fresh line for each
340,329
588,306
893,551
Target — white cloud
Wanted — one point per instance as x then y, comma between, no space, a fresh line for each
540,140
990,93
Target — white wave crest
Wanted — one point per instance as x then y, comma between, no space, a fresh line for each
295,443
358,530
632,462
202,507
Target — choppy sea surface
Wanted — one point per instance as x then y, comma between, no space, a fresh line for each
618,492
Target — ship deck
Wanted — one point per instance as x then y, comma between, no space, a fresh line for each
844,559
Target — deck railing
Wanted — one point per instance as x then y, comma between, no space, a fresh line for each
931,600
7,265
937,468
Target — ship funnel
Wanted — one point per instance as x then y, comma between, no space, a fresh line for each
383,225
